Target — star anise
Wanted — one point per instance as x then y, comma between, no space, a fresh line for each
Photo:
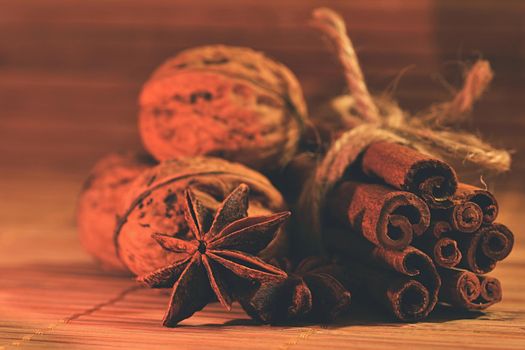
221,251
311,292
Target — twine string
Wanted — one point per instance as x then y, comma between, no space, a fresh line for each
426,131
381,119
477,80
334,27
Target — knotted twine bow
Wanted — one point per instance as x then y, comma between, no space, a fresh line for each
377,119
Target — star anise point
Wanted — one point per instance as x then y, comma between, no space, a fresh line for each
226,245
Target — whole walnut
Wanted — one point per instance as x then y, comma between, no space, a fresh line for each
155,203
98,202
230,102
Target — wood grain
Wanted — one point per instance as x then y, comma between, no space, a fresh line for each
53,296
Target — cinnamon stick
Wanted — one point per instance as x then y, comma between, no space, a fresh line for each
483,249
443,251
409,170
497,241
466,290
406,281
463,216
483,198
491,290
438,228
407,300
384,216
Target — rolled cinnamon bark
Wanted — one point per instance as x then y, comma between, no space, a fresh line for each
491,290
389,274
498,241
481,250
407,299
462,216
483,198
466,217
459,288
463,289
409,170
438,228
443,251
386,217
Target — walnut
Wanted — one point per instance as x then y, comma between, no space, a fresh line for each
155,204
98,202
230,102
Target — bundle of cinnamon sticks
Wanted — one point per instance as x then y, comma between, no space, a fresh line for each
408,218
409,233
379,197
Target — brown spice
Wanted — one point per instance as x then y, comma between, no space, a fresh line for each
409,170
484,248
483,198
279,302
465,290
99,200
491,290
444,251
312,291
466,217
405,298
221,247
384,216
438,228
224,101
463,216
155,203
498,245
406,281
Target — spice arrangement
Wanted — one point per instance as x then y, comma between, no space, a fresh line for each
376,212
220,248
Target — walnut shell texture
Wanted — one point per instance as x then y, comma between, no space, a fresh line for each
99,200
229,102
154,204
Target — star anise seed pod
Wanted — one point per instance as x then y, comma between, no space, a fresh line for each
311,292
221,246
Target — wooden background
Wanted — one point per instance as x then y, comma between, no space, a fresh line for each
70,73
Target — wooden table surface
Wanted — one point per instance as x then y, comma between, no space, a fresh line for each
53,296
70,72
